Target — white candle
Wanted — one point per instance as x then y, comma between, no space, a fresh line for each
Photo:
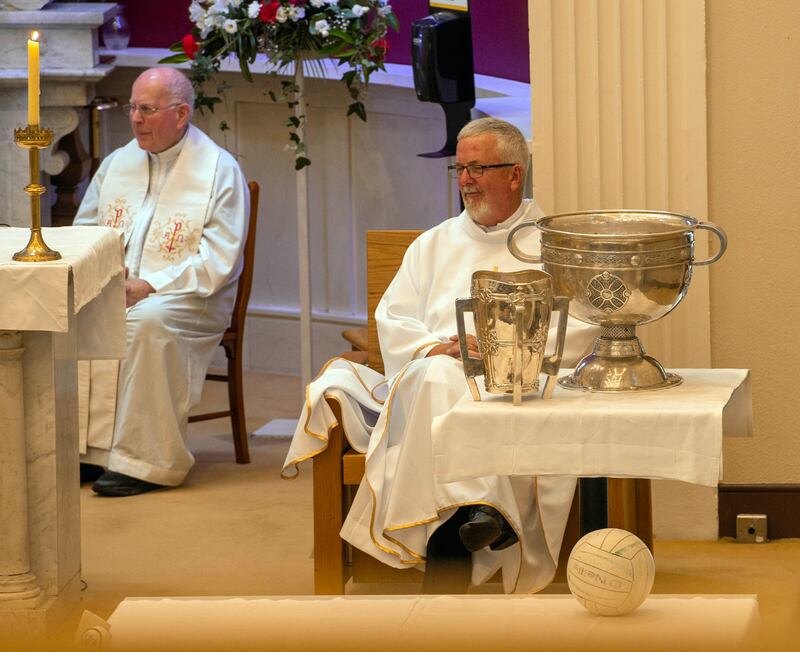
33,79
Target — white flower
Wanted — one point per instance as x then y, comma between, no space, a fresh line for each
297,13
317,3
323,28
219,7
235,3
282,15
252,9
332,3
230,26
359,10
196,12
384,11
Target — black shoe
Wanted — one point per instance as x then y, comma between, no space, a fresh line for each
90,472
116,484
486,527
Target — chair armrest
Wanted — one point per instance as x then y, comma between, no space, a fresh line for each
356,337
359,357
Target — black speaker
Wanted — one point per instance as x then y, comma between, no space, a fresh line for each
441,48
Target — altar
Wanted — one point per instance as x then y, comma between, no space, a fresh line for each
51,315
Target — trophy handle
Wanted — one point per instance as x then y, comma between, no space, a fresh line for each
723,242
519,326
472,367
551,365
515,250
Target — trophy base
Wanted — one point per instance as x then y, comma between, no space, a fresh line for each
619,365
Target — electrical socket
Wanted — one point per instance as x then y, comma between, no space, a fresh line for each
751,528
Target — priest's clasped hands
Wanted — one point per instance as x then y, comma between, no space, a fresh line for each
453,348
137,289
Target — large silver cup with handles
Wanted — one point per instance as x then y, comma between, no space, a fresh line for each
620,269
512,311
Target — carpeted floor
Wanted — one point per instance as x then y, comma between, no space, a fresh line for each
241,530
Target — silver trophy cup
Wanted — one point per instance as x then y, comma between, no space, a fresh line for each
511,311
619,268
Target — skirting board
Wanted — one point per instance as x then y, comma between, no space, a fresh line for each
780,503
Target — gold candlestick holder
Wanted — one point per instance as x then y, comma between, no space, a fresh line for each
33,138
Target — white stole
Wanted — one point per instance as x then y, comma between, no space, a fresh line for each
177,225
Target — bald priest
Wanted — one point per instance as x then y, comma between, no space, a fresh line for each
180,203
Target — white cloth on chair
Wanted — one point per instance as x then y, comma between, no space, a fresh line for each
399,504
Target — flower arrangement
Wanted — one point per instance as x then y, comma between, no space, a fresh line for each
351,32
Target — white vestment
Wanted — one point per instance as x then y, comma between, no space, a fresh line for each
183,213
399,503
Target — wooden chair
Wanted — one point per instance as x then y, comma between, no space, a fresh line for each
338,470
233,341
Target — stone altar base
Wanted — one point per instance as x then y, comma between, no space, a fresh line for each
526,622
50,483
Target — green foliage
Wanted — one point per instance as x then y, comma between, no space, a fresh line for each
352,32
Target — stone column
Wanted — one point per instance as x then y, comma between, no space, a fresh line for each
18,586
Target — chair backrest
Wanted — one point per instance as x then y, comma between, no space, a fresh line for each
246,278
385,250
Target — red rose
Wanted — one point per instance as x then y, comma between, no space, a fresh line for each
269,11
381,44
190,46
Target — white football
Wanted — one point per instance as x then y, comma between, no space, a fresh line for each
610,572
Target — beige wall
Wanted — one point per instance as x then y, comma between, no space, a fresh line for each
754,194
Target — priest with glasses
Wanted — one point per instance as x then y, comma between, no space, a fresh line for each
181,204
465,531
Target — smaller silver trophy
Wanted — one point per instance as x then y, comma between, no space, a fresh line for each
511,311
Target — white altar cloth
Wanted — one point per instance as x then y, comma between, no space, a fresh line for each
34,296
673,434
386,622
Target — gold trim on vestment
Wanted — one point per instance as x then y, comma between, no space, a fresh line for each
374,389
365,479
322,437
417,557
299,460
419,348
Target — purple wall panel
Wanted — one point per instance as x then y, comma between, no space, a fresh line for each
499,31
156,23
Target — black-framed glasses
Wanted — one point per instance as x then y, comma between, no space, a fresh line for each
474,171
146,110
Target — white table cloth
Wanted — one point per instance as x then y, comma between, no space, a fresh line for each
36,296
671,434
